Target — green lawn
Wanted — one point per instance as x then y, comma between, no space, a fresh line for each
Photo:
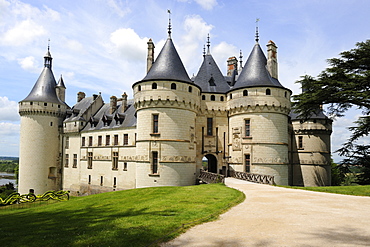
123,218
358,190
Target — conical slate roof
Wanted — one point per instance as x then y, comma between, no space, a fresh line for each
168,65
254,73
61,82
44,88
210,78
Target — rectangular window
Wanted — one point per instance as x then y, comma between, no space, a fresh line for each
66,161
154,162
107,140
125,166
90,141
89,160
247,163
89,179
115,141
135,138
100,140
101,180
83,142
300,142
209,126
247,127
114,182
67,142
125,139
74,161
115,161
155,123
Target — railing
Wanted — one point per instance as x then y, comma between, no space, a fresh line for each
211,178
255,178
16,198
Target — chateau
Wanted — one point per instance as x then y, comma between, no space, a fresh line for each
241,121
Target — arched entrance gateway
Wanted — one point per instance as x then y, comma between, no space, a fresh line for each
210,163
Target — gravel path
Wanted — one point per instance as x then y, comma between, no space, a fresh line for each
274,216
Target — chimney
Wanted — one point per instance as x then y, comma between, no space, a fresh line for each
80,96
272,65
113,104
150,58
232,64
124,102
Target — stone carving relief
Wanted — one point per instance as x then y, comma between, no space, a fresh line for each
236,139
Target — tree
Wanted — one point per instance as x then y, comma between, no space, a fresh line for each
343,85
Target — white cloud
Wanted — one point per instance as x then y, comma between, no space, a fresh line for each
22,33
29,63
207,4
196,31
8,110
9,129
221,52
118,8
128,45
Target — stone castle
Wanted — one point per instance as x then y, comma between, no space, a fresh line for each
241,121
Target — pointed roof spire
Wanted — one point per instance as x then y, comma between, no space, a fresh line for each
257,35
44,88
210,78
61,82
204,50
254,73
47,58
241,59
169,23
208,45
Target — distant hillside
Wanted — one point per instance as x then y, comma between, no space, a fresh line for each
8,158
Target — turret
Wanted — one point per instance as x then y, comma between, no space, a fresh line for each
42,113
166,103
258,125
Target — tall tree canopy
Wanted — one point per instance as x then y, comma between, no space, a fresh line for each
344,84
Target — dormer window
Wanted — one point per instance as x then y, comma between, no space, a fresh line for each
212,81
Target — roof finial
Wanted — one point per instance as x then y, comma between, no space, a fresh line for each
208,45
48,44
204,50
257,36
241,59
169,23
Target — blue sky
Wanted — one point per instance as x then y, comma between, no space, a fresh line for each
100,45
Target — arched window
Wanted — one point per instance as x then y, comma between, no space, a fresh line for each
173,86
268,91
222,98
190,89
203,97
154,85
231,96
139,88
213,98
245,93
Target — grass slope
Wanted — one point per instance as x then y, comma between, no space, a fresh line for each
358,190
122,218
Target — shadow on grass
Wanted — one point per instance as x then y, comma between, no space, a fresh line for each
84,227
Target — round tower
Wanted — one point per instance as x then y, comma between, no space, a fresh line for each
42,113
310,150
258,121
166,102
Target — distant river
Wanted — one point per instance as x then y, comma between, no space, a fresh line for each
7,177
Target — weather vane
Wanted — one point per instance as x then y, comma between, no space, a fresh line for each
257,36
169,23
